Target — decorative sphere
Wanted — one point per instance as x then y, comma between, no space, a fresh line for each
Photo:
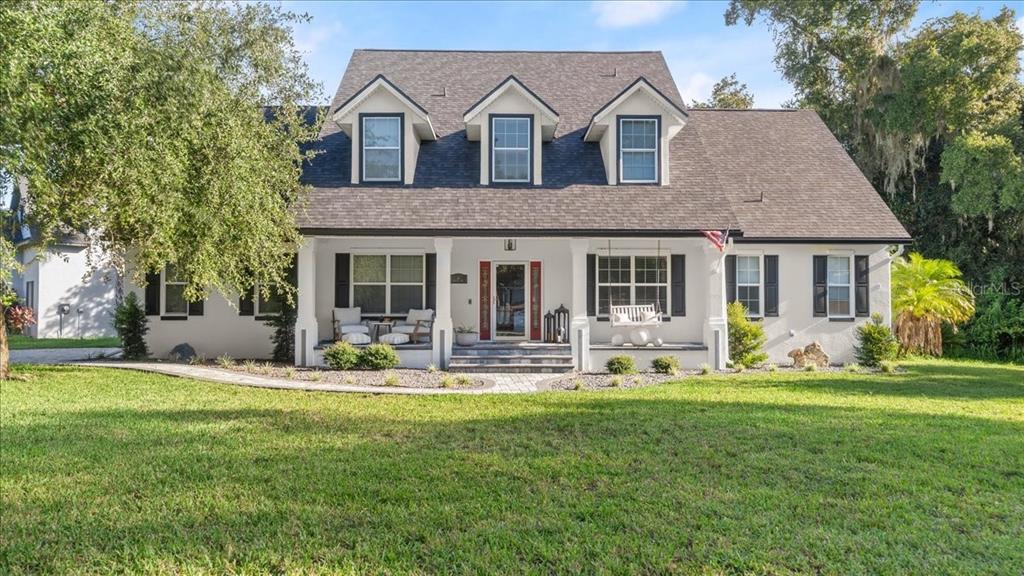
658,342
618,340
639,337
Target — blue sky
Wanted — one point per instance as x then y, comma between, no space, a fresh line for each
697,44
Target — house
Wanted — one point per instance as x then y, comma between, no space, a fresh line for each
69,297
494,187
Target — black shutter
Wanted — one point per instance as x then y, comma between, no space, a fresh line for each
153,294
771,285
821,285
431,281
195,308
860,271
341,273
679,284
246,303
730,279
591,285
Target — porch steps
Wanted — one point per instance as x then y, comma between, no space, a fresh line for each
512,357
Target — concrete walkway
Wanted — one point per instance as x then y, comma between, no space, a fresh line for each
500,383
61,355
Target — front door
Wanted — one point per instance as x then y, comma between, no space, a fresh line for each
510,302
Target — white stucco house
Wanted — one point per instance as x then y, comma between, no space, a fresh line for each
490,188
70,298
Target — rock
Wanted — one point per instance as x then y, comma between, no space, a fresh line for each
658,342
811,354
639,337
618,340
183,353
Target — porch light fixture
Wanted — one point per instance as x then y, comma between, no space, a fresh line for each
561,324
510,245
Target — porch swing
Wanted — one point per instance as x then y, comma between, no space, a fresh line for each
634,315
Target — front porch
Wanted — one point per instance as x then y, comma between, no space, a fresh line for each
502,288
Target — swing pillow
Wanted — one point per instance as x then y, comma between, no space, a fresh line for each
650,316
620,318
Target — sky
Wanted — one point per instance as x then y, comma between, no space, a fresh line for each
698,46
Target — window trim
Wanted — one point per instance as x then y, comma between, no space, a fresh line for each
164,282
387,283
657,148
849,288
666,311
261,314
760,283
490,155
401,147
30,295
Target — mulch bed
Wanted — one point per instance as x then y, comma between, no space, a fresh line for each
403,377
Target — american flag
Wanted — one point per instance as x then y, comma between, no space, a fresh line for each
717,237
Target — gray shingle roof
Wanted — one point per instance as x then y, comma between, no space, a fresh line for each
575,197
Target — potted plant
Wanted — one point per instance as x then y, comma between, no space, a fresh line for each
466,336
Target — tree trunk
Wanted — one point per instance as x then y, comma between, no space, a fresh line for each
5,354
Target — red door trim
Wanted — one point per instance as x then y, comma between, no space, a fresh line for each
535,315
485,300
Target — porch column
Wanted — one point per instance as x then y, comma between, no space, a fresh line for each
443,333
306,329
716,329
579,329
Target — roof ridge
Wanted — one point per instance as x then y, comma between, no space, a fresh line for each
508,51
701,109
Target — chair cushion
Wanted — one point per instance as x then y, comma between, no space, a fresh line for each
354,329
419,315
407,329
356,338
395,338
345,316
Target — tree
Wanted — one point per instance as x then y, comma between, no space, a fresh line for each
925,294
131,324
728,93
144,125
746,337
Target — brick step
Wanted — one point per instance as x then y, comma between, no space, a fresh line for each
514,359
511,368
511,350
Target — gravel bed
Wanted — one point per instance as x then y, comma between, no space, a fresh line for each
402,377
604,380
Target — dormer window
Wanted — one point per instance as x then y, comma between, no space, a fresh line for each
638,149
381,147
511,148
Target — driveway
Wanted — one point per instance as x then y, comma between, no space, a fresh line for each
61,355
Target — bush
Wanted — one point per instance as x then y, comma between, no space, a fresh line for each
875,343
341,356
283,336
378,356
746,338
888,367
666,364
995,333
131,324
705,369
622,364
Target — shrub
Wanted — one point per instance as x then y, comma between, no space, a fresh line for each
621,364
746,338
995,333
283,336
810,368
888,366
131,324
251,365
773,368
225,361
666,364
391,379
616,380
738,368
341,356
875,342
577,385
852,367
464,380
705,369
378,356
447,381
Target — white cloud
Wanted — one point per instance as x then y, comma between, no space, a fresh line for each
619,14
309,39
696,86
1020,23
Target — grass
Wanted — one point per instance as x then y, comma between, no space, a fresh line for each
21,342
916,472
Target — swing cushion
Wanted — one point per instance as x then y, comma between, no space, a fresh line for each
620,319
650,316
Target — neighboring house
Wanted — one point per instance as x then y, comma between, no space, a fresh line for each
69,299
494,187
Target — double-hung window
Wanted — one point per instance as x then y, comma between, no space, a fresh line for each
388,284
629,280
174,292
382,148
638,150
748,283
269,305
511,148
839,286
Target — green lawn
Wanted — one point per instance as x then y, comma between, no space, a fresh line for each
921,472
19,342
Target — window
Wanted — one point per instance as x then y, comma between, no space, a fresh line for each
174,292
839,286
626,280
510,149
387,284
268,305
748,283
30,294
382,148
638,150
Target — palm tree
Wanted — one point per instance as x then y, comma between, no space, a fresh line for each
925,293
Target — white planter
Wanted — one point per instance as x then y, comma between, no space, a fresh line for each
467,338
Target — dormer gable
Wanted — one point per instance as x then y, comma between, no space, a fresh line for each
386,127
633,130
511,122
